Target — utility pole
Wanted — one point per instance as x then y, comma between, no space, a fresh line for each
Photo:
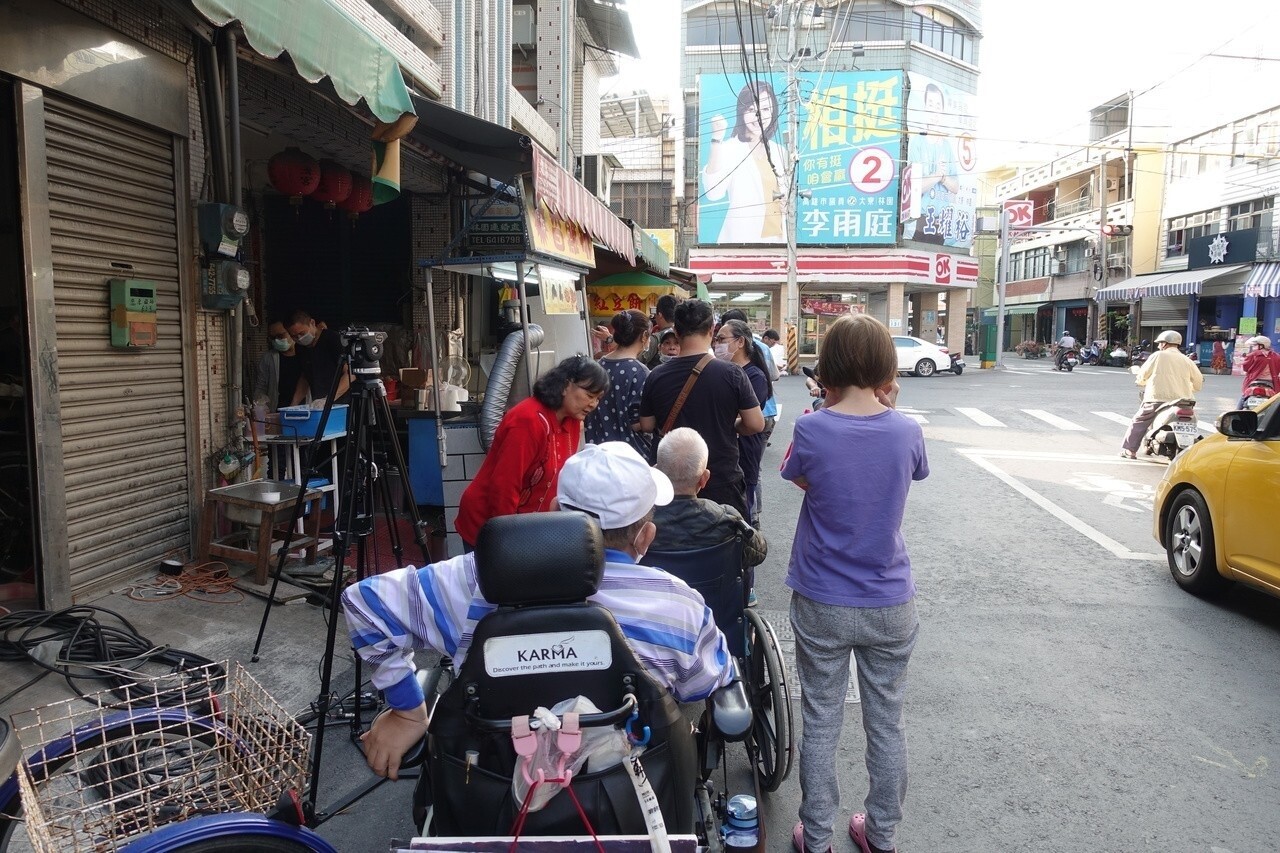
1002,276
792,318
1102,241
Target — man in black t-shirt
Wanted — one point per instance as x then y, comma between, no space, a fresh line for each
322,354
720,406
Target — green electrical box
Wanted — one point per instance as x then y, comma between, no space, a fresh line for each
133,313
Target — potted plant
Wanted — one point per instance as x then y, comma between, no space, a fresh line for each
1030,349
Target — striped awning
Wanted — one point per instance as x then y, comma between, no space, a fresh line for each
1182,283
1263,281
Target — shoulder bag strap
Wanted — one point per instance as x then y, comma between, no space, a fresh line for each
684,393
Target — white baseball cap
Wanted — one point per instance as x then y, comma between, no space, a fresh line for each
612,482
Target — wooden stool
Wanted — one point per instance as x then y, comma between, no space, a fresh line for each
273,500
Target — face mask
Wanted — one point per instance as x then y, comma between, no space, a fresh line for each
665,358
722,351
280,344
306,339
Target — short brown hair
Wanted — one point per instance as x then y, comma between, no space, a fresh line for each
857,351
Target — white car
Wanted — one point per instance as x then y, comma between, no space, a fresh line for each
920,357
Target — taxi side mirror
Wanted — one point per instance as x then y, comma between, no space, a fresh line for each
1242,424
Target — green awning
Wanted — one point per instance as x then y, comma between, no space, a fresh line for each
633,280
1013,310
323,41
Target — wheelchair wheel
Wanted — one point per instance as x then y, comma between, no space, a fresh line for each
771,730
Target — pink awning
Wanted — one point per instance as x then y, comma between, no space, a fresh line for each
570,200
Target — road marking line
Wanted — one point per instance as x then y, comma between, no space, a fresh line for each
1113,417
976,456
1054,420
1206,426
1042,456
920,419
979,417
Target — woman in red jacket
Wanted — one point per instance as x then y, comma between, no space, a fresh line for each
1261,367
531,445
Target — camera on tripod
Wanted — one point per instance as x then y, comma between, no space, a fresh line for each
364,346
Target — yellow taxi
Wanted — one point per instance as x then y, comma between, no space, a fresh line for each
1217,510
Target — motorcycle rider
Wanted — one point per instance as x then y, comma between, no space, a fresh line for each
1261,367
1066,344
1165,377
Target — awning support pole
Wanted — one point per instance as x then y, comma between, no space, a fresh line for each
524,323
586,309
441,449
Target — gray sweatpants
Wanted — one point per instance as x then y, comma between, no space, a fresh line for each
881,640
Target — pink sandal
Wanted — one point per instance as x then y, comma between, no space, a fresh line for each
797,838
858,832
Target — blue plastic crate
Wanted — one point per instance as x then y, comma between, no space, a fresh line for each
301,421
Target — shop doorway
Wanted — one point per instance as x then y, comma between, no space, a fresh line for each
17,508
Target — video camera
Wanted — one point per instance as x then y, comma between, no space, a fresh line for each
364,347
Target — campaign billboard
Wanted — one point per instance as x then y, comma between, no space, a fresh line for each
846,171
939,179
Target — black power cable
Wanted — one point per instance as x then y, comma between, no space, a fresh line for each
96,645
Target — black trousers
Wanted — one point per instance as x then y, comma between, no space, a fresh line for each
732,493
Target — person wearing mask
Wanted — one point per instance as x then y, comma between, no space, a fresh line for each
736,344
279,369
618,414
711,396
1261,366
531,444
668,346
322,359
768,407
1166,376
664,315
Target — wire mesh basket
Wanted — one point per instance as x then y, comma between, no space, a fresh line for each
201,741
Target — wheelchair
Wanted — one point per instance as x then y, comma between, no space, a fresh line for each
539,569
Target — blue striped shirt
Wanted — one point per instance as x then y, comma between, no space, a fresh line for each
667,624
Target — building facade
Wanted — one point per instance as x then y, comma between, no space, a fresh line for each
852,121
134,327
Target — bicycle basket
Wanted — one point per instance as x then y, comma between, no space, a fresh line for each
203,741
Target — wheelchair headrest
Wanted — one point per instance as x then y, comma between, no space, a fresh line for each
539,558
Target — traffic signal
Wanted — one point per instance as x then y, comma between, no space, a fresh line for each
1117,230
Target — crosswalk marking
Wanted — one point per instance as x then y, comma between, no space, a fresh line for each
1113,417
920,419
1054,420
1206,426
979,417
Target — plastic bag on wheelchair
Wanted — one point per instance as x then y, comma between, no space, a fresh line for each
559,751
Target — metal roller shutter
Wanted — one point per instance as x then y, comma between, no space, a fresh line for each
113,215
1164,311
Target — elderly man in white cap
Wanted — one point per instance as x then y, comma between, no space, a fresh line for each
668,625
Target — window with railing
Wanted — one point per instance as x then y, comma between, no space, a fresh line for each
725,24
1250,214
868,20
944,33
647,202
1032,263
1183,229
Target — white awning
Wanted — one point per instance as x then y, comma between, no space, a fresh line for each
1263,281
1182,283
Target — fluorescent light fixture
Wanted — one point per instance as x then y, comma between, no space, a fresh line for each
749,297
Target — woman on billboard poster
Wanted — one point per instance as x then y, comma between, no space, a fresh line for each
748,167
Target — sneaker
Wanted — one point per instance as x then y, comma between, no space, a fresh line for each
1128,454
797,838
858,832
751,599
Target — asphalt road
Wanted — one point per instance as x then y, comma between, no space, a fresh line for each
1065,694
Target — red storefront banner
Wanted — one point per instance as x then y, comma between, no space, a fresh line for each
570,200
828,308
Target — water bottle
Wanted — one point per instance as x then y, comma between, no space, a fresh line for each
742,822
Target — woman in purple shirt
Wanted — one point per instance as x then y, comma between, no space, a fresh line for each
850,577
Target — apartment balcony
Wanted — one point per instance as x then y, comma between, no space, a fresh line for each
1073,207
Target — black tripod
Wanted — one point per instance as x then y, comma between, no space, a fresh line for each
362,490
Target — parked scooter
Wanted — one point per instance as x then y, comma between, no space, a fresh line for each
1091,354
1141,354
957,363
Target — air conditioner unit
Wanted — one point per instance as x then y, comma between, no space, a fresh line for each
597,175
523,26
1113,184
1116,262
1090,251
1062,267
1060,255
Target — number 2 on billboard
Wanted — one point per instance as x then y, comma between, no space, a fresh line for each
871,170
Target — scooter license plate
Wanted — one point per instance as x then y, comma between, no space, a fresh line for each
1185,434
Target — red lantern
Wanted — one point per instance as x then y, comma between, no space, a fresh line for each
335,183
293,173
361,198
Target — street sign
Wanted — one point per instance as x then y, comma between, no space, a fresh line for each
1019,212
